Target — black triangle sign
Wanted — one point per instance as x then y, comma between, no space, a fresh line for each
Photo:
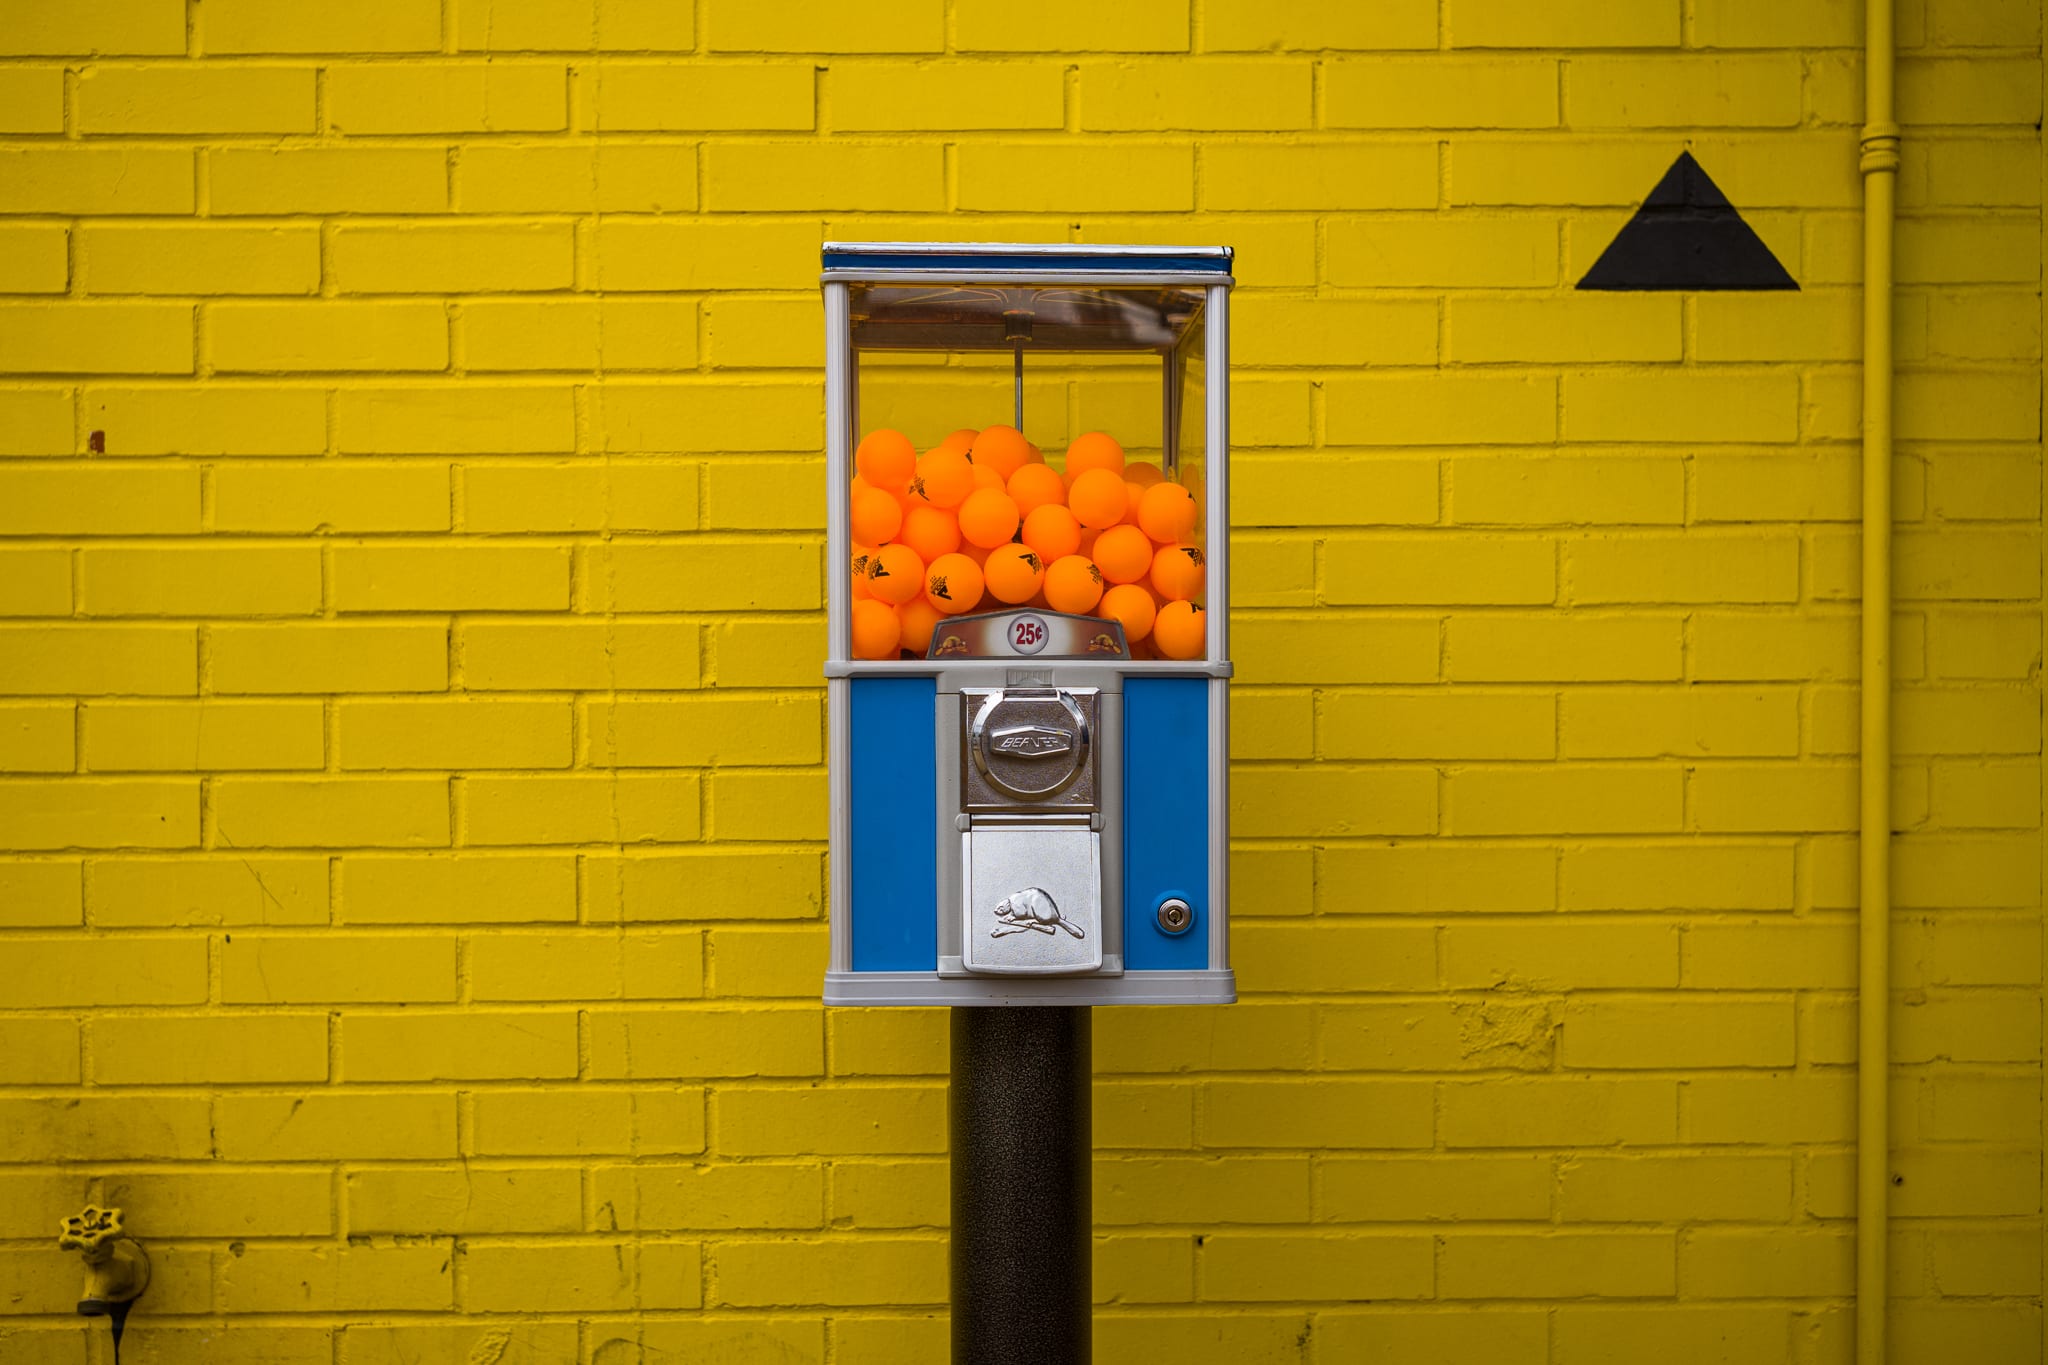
1687,236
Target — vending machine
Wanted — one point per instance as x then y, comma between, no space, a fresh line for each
1027,459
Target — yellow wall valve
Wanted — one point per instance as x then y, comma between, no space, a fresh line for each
116,1267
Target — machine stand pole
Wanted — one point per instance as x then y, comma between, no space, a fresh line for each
1022,1215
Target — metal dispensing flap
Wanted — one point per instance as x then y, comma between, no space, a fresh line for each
1032,900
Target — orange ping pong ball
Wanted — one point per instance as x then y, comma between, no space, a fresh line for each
895,574
984,477
988,518
1177,572
1094,450
1132,607
960,439
1167,512
1002,449
1180,629
1123,554
930,532
918,617
1052,532
1013,573
876,515
944,478
1073,584
953,584
1143,473
1098,498
885,458
1036,485
877,633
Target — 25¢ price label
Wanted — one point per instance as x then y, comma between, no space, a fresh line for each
1028,634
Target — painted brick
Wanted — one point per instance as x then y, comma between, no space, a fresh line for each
238,26
633,497
704,732
221,419
1439,93
475,1199
359,1278
1443,409
1327,801
1123,177
647,255
1561,956
566,334
399,890
242,581
259,970
775,176
1304,25
465,734
597,809
141,27
1066,26
704,576
1596,327
452,259
80,971
1271,96
333,812
665,97
455,98
708,884
399,577
592,656
329,657
874,97
37,257
41,894
717,1042
99,338
608,967
1684,92
292,337
721,419
197,99
194,1050
889,1120
359,1126
183,736
735,26
1242,1267
247,180
1439,569
37,739
1352,176
469,1046
135,892
170,258
579,179
91,500
1683,569
35,582
135,813
81,180
1335,1114
669,1121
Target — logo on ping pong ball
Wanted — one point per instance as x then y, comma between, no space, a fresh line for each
1028,634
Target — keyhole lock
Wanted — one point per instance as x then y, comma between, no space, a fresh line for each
1175,915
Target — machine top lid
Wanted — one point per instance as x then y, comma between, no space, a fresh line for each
1058,258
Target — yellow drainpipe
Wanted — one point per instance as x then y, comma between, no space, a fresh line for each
1880,167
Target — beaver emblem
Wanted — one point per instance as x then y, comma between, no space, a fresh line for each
1034,909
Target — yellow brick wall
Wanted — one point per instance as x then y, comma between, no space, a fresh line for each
412,571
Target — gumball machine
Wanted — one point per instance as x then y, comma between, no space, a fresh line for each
1027,455
1027,458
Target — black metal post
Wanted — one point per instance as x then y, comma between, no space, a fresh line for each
1023,1234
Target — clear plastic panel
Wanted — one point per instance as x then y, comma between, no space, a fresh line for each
1008,442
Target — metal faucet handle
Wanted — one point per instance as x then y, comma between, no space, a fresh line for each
92,1231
